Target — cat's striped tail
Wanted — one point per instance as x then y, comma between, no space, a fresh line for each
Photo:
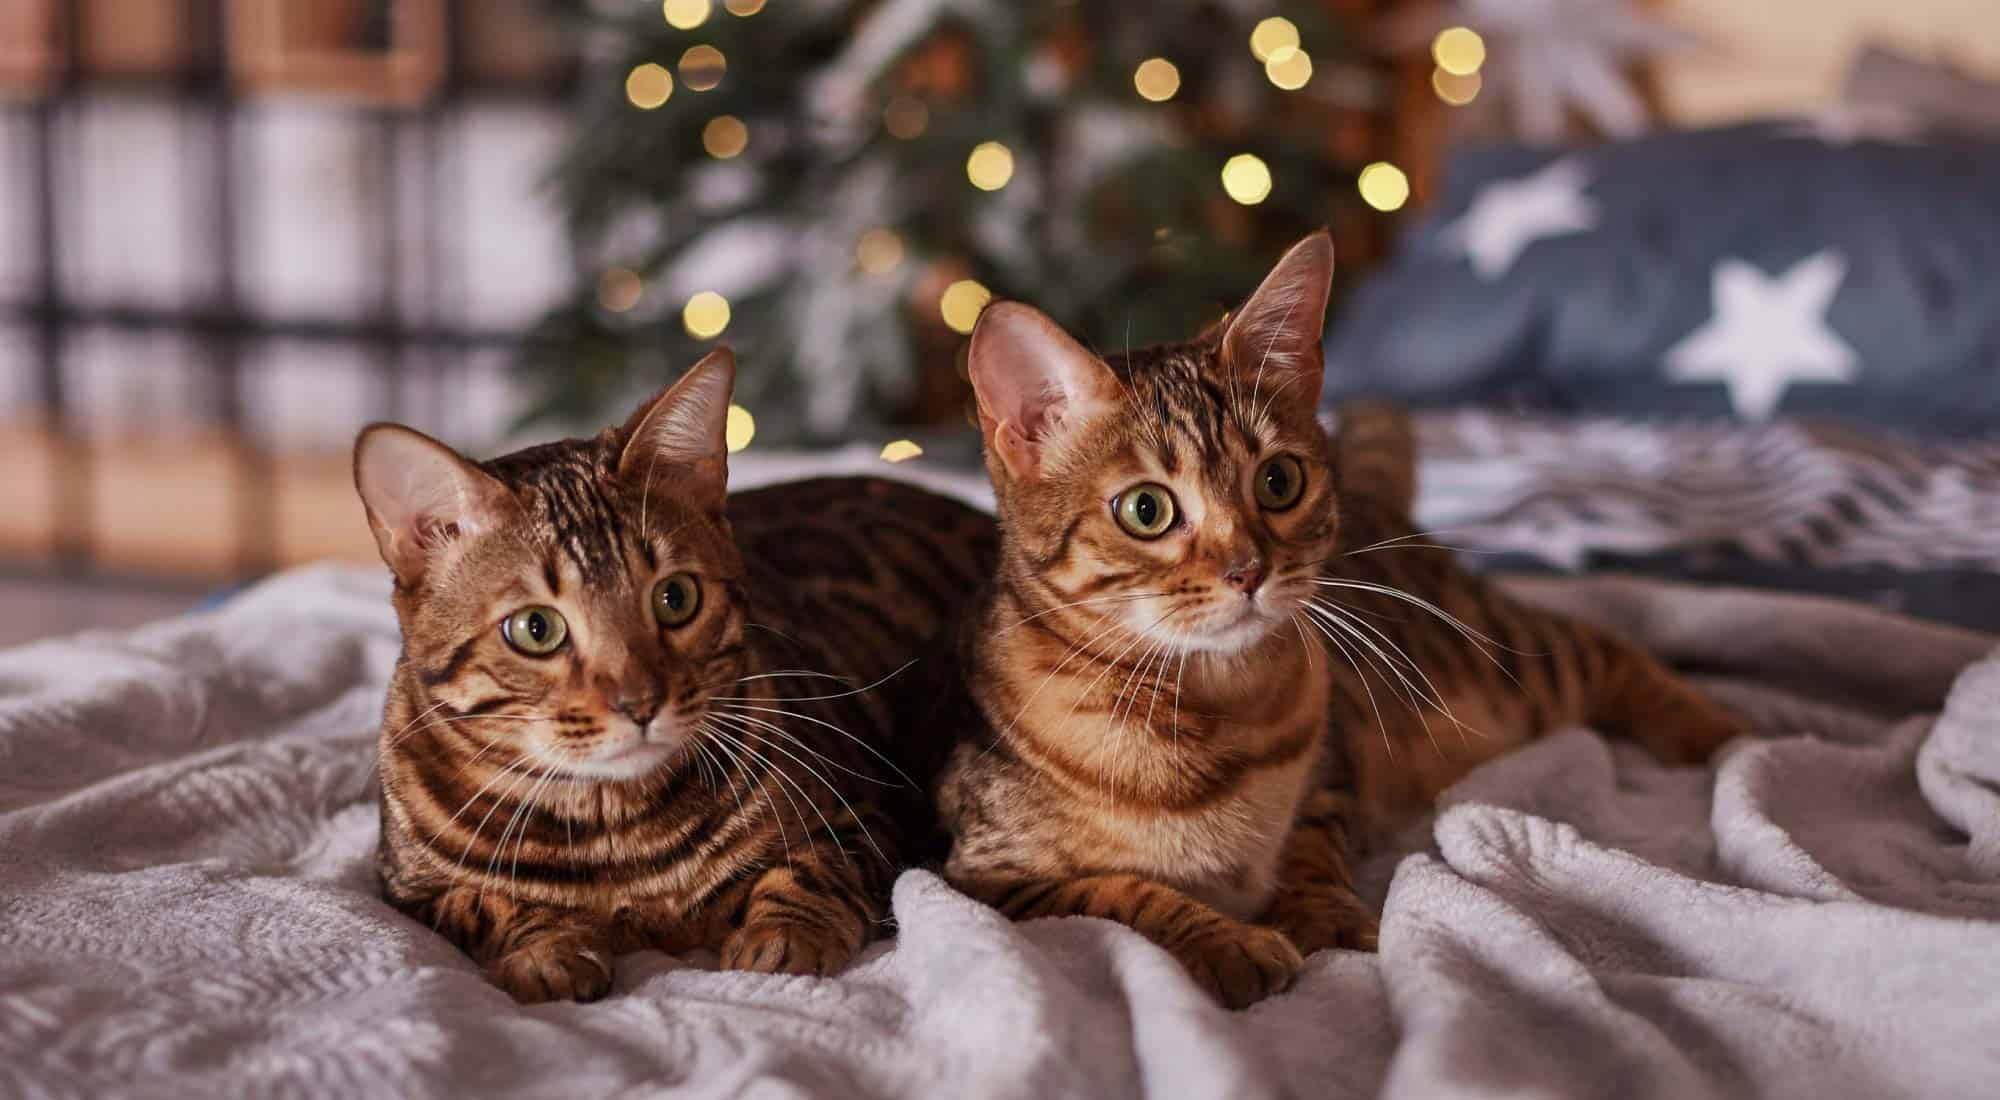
1375,452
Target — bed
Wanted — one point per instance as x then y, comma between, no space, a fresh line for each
187,904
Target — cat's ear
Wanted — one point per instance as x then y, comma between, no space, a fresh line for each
421,495
1274,340
1031,379
679,439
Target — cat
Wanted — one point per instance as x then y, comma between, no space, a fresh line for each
1216,652
629,709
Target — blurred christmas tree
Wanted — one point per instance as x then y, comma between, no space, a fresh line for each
837,187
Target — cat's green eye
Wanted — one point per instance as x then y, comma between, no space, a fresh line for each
1144,511
676,599
1280,482
535,631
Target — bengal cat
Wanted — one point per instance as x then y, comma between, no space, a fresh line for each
1196,584
628,710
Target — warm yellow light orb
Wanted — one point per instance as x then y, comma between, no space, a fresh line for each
618,289
1290,70
725,136
648,85
1459,50
739,428
702,68
706,315
1157,79
1272,37
962,303
905,117
990,166
685,15
745,8
1455,90
1247,179
901,450
1384,186
878,252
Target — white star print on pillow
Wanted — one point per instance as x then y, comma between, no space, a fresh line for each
1510,215
1767,333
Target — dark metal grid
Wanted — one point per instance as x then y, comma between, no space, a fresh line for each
223,327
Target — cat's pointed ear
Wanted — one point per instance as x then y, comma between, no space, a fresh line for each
679,439
421,495
1031,379
1274,340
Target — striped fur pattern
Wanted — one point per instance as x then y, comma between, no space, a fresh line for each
1189,731
721,782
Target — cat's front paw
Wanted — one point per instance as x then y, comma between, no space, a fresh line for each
1239,963
1335,917
787,947
554,968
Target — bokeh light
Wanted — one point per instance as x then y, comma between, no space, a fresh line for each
702,68
1157,79
739,428
1456,90
990,166
725,136
878,252
1384,186
744,8
1247,179
1290,70
648,85
1272,37
685,15
1459,50
900,450
962,303
618,289
706,315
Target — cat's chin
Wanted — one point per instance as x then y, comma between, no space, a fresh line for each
1234,636
635,761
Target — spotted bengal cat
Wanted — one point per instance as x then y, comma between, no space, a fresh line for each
1196,584
627,712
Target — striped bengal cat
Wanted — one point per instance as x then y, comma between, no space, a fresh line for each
627,711
1196,584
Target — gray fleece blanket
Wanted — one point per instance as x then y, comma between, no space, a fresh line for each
187,906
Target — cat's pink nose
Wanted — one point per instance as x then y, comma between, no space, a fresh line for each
1245,576
639,708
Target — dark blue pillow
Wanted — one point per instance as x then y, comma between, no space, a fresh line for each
1751,271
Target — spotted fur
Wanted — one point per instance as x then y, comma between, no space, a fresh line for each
1188,732
721,783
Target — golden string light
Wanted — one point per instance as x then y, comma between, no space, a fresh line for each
706,315
738,428
1247,179
1384,186
1157,79
878,252
1289,69
990,166
648,85
618,289
702,68
1459,50
725,136
743,8
1455,90
1272,37
685,15
900,450
962,303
